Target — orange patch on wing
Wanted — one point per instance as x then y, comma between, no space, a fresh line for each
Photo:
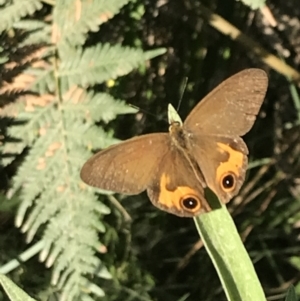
234,163
171,198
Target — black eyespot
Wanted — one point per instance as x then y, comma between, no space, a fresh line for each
228,182
190,203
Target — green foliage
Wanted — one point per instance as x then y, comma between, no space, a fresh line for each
291,294
54,123
37,31
254,4
77,20
99,63
13,12
3,57
13,291
238,277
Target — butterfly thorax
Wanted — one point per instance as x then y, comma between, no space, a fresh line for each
180,140
178,136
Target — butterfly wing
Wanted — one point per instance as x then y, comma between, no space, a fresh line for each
127,167
231,108
177,187
221,159
149,162
215,125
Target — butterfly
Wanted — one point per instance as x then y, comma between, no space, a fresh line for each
206,150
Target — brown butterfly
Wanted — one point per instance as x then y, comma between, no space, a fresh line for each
206,150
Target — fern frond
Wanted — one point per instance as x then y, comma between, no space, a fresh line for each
96,138
21,137
19,9
96,107
59,136
52,193
14,79
51,188
96,64
35,126
38,32
75,19
44,82
3,56
29,25
55,121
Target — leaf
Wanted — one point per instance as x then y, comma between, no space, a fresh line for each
254,4
74,19
295,261
100,63
228,254
291,294
19,9
13,291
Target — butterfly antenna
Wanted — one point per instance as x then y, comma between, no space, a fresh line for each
142,110
183,87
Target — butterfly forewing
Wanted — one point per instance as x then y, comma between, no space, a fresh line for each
127,167
231,108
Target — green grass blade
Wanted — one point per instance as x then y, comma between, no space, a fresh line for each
13,291
229,256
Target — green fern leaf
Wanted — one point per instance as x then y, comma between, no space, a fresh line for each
38,32
96,107
3,56
52,192
25,135
97,64
75,19
19,9
29,25
58,128
44,82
